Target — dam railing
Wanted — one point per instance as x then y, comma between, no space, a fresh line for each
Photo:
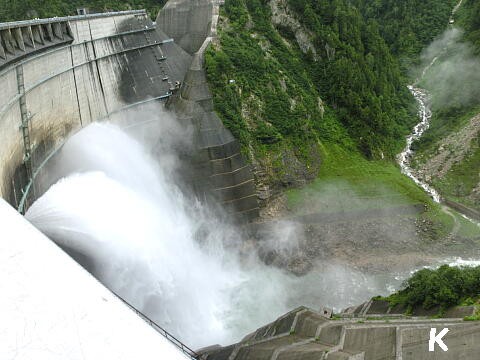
180,345
15,24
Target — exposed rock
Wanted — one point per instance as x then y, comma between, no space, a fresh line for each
321,107
282,16
451,150
275,208
279,171
475,195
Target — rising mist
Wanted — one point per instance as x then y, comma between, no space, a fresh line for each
454,77
119,210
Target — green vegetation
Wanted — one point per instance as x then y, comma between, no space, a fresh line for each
462,178
469,15
457,184
272,99
276,98
408,25
443,123
347,181
361,79
372,182
475,317
347,100
445,287
29,9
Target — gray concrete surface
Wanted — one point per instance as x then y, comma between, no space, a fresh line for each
187,22
61,74
305,334
227,178
111,61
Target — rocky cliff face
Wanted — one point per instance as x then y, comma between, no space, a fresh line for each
282,16
267,103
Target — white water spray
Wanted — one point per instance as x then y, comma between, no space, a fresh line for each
125,219
138,233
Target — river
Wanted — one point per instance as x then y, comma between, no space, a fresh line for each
425,114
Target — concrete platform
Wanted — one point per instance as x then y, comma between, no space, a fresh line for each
306,334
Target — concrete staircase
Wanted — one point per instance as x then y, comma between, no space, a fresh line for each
307,335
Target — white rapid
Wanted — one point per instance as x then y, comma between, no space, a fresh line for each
405,156
425,114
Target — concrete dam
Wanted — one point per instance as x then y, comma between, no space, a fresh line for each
59,75
59,78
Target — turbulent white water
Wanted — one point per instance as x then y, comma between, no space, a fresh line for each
139,230
405,156
167,254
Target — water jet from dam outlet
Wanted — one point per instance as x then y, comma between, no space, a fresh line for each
119,211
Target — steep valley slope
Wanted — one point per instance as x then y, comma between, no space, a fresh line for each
316,92
448,156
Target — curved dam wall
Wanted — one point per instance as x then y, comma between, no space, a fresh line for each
59,75
192,24
110,61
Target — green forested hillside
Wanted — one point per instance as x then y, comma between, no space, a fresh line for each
362,80
408,25
315,83
352,71
470,21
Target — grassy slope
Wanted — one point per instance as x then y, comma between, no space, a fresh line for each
358,184
367,179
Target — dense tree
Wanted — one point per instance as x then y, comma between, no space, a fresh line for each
444,287
470,13
408,25
353,71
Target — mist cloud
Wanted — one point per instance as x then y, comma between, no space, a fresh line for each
454,77
118,207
